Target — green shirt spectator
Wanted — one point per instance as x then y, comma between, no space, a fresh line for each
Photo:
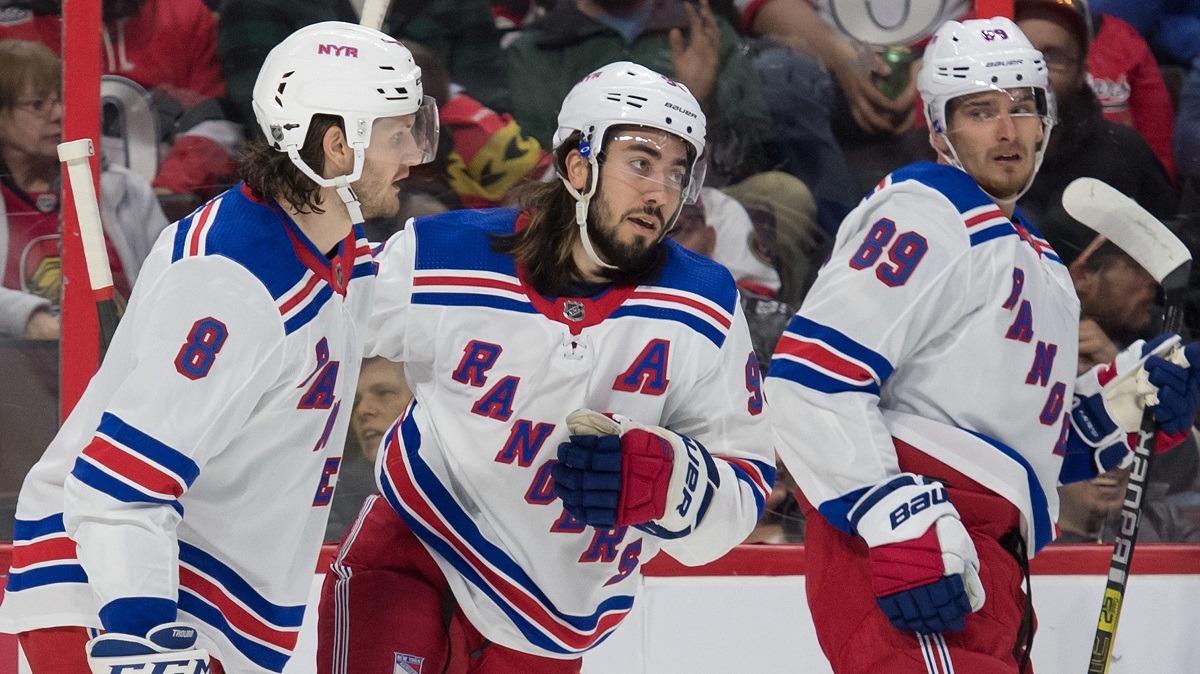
674,38
462,32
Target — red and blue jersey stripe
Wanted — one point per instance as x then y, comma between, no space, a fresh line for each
474,288
821,358
759,475
417,494
43,554
133,467
262,631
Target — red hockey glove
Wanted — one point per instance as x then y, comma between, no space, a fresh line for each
615,472
925,568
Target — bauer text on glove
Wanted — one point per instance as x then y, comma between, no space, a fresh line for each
924,565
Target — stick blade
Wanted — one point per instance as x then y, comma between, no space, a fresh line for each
1121,220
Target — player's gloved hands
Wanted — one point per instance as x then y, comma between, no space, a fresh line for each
924,565
166,648
615,472
1110,399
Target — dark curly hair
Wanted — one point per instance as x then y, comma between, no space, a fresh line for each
271,175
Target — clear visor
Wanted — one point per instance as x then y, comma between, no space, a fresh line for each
406,139
1021,105
652,159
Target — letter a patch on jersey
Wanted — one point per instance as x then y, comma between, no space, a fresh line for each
407,664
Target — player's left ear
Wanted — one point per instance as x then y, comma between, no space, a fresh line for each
578,169
339,156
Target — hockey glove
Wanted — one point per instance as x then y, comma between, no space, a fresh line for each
924,565
167,648
1109,399
615,472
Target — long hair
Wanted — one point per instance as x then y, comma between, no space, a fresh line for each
545,246
271,175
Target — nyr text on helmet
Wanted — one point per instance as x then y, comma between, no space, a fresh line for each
337,50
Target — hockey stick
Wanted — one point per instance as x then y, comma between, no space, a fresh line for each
373,13
75,155
1158,251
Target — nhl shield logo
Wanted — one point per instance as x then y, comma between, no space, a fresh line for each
573,311
407,664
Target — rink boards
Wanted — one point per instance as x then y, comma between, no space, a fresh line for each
747,613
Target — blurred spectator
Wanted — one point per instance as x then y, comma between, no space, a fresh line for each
1172,27
679,39
1125,77
850,45
1187,125
799,93
482,154
462,32
785,234
718,227
30,185
872,50
1090,512
168,47
382,395
512,15
1116,300
1083,143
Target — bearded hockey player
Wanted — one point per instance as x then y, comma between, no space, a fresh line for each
586,396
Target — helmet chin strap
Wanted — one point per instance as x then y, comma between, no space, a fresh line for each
582,202
1039,154
341,184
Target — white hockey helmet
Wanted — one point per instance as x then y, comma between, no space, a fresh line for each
344,70
625,93
982,55
974,56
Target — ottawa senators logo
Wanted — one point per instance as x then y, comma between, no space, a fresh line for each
41,268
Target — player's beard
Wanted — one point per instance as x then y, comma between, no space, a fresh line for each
376,196
633,259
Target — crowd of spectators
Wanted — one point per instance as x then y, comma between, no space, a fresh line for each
809,105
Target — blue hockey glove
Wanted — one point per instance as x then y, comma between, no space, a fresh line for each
1109,399
1178,383
924,565
615,472
166,648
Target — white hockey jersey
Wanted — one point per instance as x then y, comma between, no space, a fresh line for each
939,321
198,467
496,367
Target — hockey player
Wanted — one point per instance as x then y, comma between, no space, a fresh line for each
515,511
925,387
181,507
